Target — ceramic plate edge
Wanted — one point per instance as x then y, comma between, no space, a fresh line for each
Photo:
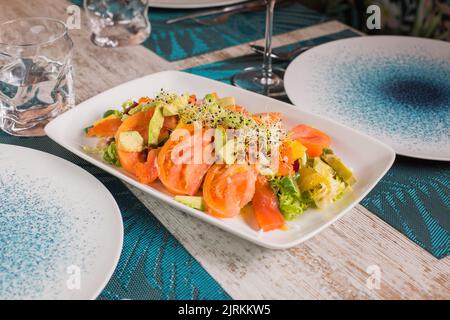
115,205
289,90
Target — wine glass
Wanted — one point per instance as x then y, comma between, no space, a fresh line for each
264,79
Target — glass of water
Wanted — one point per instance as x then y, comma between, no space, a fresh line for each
117,23
36,75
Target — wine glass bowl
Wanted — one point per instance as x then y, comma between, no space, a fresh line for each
257,80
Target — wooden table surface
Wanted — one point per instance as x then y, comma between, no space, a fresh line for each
332,265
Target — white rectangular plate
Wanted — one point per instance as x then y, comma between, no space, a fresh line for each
368,158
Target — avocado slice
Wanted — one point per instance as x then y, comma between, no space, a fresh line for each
131,141
170,109
179,102
210,97
227,102
322,168
289,185
116,113
341,169
140,108
155,125
309,179
220,138
191,201
228,153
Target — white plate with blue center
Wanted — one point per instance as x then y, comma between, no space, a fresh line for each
396,89
61,230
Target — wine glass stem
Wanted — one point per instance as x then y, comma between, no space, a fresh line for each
267,62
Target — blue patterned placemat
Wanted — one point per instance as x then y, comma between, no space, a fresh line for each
413,197
153,264
186,39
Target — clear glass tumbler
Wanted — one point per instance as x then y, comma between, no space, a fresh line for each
117,23
36,75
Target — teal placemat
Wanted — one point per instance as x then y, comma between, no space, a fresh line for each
186,39
153,264
413,197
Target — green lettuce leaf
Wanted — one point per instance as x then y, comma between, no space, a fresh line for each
110,154
292,202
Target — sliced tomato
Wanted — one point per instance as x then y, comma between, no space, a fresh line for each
228,188
265,206
128,160
237,108
170,122
286,152
192,99
147,172
248,214
105,128
290,151
280,163
313,139
267,117
137,122
285,169
183,176
144,100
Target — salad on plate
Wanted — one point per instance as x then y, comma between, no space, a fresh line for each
213,155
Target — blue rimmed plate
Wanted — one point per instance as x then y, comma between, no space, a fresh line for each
61,230
396,89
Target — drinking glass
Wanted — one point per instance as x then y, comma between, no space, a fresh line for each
36,75
117,23
264,79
